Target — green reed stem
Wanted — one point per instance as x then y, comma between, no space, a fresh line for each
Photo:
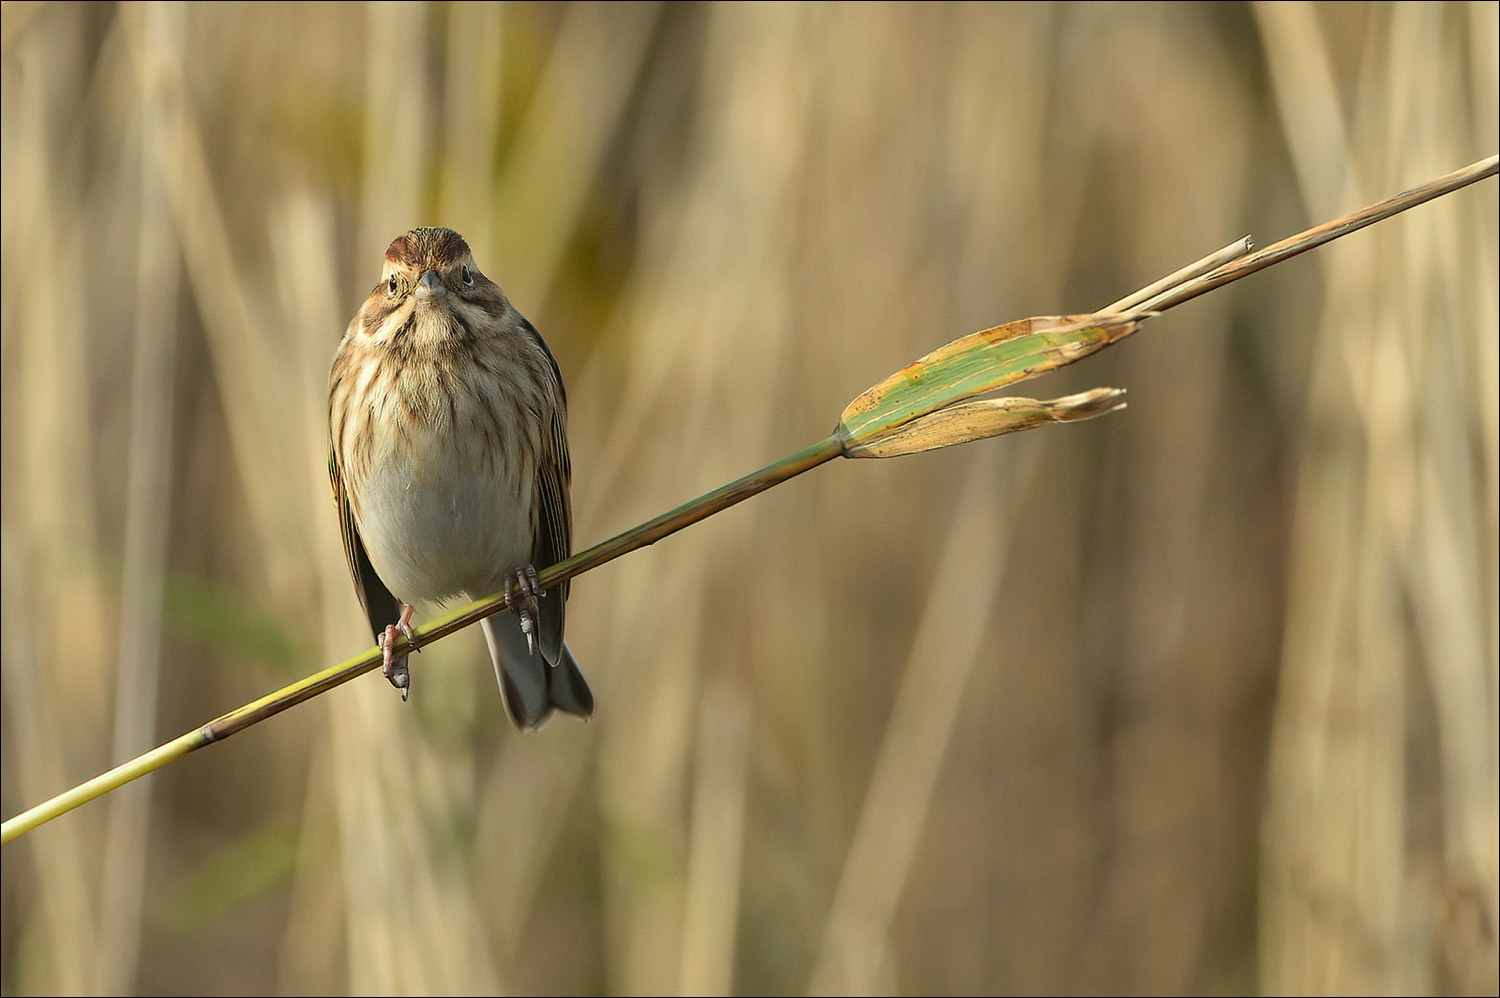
225,725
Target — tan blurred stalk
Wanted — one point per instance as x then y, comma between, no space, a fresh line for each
1391,607
148,509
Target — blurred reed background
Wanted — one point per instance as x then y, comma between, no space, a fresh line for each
1200,697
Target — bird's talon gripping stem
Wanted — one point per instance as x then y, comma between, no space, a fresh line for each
521,585
394,668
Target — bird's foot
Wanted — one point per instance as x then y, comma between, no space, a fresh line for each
521,587
394,668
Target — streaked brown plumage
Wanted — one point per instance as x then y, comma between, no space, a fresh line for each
448,454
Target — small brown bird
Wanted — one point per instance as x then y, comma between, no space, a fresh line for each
448,453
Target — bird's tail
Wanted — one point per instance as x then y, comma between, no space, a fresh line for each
531,687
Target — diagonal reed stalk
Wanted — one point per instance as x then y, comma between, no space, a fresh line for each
928,404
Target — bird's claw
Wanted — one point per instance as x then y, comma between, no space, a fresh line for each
394,668
521,586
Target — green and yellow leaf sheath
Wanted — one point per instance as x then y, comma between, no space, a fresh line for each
918,408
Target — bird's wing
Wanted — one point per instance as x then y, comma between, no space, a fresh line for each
381,607
554,522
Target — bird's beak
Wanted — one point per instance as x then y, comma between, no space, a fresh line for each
430,285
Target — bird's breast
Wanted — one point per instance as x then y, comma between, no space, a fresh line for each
445,502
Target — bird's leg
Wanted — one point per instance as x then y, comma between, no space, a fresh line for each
521,587
395,668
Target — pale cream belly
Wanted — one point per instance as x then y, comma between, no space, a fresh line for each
436,532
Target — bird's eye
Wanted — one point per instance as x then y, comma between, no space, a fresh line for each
392,286
468,276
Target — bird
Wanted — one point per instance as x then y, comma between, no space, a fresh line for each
448,458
